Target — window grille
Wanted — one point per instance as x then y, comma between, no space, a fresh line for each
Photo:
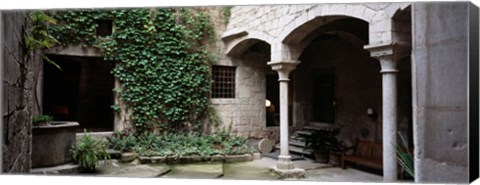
223,85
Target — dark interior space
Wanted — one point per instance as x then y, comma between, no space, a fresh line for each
81,91
273,95
323,98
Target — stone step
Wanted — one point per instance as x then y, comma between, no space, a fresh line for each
303,133
296,149
300,150
296,143
312,128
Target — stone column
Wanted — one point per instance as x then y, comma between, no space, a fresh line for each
284,68
388,55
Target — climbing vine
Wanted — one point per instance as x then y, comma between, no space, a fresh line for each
161,58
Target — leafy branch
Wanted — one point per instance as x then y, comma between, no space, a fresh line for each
37,35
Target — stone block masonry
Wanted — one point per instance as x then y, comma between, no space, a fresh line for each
17,95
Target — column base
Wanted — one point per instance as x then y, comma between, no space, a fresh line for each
296,173
286,169
284,162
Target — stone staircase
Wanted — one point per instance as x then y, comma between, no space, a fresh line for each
296,142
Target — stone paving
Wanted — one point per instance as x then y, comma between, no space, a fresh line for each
252,170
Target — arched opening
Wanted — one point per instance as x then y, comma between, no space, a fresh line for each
337,82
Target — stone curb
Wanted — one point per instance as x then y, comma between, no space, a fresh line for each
197,158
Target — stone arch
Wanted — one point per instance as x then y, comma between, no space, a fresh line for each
238,46
309,21
379,27
299,47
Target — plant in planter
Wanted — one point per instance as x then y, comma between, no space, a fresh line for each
42,120
88,151
323,142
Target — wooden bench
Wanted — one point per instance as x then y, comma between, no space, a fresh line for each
367,153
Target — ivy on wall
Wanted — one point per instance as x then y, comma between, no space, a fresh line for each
162,61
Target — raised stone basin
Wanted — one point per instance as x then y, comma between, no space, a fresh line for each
51,143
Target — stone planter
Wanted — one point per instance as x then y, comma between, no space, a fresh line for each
51,143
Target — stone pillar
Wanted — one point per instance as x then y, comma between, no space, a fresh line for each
284,164
388,55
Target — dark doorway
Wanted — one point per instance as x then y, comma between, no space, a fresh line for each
81,91
323,98
273,96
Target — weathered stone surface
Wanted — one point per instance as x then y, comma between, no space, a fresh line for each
143,171
252,170
296,173
128,156
110,166
114,154
51,144
217,158
157,159
196,171
238,158
265,145
135,162
61,169
17,97
256,156
190,159
441,91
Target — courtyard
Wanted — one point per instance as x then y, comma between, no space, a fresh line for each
343,92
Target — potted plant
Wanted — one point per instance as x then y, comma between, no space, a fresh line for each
88,151
323,142
42,120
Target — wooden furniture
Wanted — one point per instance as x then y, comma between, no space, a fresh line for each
366,153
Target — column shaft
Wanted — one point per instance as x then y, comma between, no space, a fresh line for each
389,126
284,117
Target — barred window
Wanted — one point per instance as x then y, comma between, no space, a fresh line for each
223,85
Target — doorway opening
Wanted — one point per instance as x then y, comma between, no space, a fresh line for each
81,91
323,102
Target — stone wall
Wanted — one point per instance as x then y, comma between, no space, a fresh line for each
440,83
17,95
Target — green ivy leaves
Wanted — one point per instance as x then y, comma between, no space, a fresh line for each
161,60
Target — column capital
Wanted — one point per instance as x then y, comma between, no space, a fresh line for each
283,68
396,49
389,54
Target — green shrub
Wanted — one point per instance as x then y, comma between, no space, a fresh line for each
122,141
88,151
179,145
42,119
